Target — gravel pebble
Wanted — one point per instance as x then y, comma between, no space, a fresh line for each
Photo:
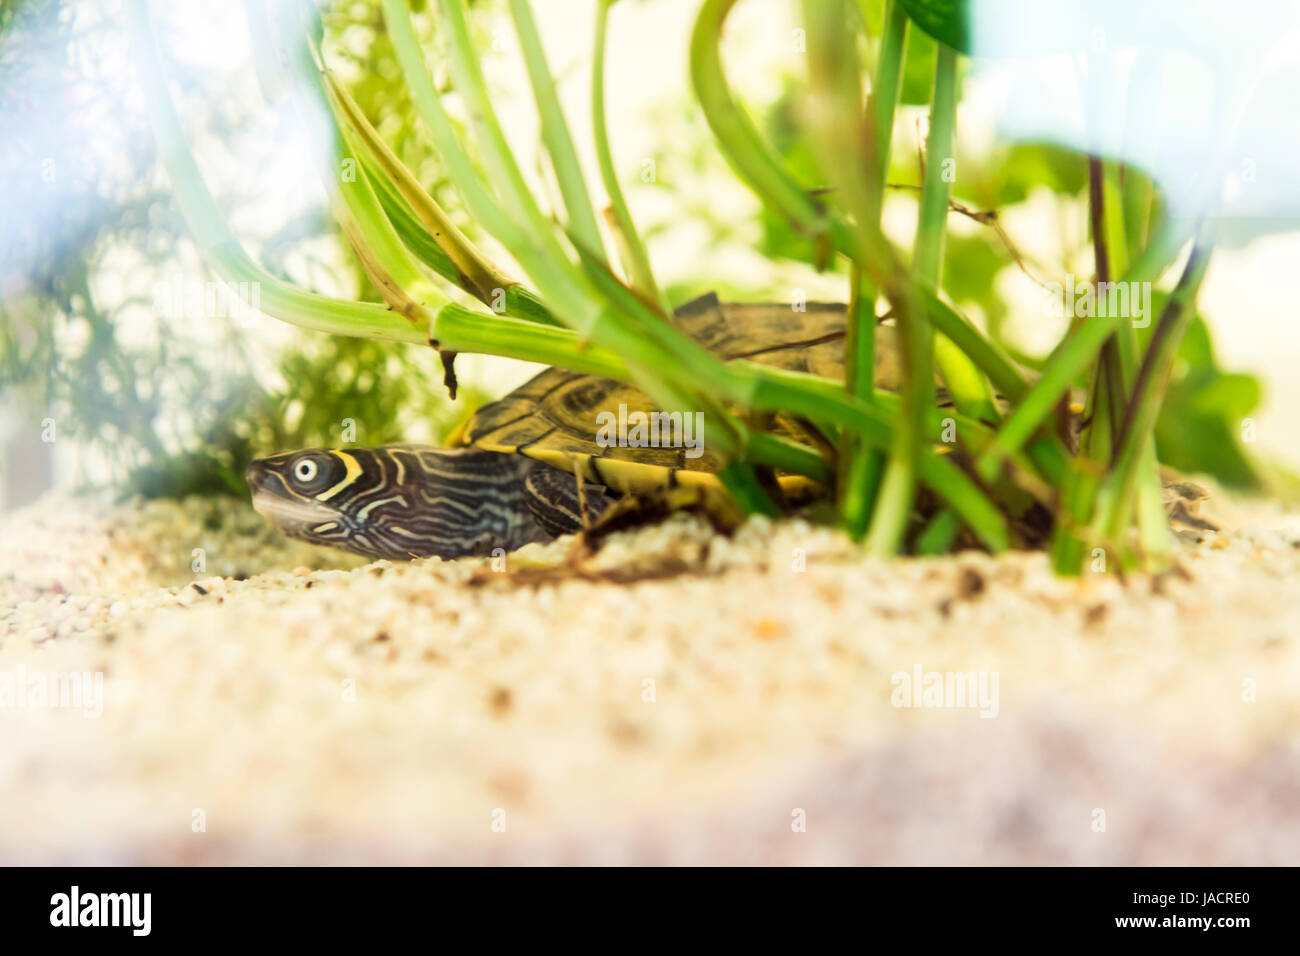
327,710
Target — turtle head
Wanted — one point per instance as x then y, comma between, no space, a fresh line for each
399,501
306,494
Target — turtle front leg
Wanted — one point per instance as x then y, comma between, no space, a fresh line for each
563,504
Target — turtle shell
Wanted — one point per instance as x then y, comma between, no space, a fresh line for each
555,416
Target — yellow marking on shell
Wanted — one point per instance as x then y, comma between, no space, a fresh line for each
353,472
636,477
460,434
625,477
799,486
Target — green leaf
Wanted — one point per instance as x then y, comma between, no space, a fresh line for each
1231,396
1199,428
945,20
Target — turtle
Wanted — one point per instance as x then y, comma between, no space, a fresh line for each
533,465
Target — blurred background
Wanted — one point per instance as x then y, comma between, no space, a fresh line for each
117,372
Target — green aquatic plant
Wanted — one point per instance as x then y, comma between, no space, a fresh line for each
160,394
1012,438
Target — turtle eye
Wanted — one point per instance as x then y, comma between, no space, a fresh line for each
305,470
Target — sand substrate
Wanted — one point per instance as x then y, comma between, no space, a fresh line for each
679,697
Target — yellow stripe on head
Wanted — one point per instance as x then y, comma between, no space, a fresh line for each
353,471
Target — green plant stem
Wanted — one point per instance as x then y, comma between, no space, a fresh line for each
800,394
916,335
1113,381
1079,348
866,464
1153,525
1081,488
1066,362
517,225
636,262
970,392
565,288
888,86
480,201
458,329
843,135
408,227
1115,498
861,465
533,227
740,142
745,489
1105,397
991,358
555,131
386,260
754,161
518,301
759,167
475,274
860,171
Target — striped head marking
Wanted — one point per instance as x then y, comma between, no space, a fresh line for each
399,501
328,496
